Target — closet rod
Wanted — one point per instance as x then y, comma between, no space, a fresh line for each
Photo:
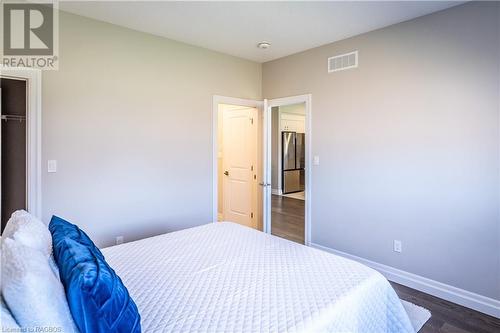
13,117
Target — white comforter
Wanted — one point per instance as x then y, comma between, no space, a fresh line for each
222,277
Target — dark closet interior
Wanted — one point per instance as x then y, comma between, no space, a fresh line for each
13,147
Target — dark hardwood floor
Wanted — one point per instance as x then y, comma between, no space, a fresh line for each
447,317
287,218
288,222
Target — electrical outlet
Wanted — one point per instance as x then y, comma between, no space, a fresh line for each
398,246
119,240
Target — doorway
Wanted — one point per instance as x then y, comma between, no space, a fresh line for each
288,165
288,169
20,149
294,190
239,162
13,146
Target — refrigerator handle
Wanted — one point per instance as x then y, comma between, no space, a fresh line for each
295,148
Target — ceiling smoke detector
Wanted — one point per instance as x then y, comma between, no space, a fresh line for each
264,45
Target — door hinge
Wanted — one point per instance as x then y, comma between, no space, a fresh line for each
251,121
251,168
251,215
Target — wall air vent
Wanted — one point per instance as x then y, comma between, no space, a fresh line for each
342,62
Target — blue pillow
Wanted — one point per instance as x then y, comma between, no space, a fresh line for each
97,298
60,229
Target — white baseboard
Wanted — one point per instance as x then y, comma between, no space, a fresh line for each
456,295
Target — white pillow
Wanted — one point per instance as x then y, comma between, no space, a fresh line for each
33,294
8,323
29,231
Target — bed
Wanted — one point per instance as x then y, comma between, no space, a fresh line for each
223,277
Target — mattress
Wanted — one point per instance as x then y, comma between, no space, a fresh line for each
223,277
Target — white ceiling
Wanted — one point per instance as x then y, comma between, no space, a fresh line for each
236,27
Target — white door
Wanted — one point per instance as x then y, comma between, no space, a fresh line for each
266,172
239,162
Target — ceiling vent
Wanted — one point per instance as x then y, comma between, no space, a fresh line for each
342,62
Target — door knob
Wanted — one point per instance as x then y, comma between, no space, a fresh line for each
226,173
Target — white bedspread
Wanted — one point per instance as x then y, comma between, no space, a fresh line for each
222,277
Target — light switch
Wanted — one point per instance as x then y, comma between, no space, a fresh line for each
398,246
316,160
52,166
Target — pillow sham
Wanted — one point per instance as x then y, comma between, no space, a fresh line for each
61,229
33,294
97,298
29,231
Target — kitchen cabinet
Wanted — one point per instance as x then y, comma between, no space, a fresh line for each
293,122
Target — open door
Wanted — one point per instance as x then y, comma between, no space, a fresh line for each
266,172
237,158
240,143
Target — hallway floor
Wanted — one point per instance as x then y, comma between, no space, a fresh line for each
288,218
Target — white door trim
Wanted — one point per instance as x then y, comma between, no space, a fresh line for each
34,134
307,99
217,99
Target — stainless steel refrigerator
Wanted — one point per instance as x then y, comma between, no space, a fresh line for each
293,161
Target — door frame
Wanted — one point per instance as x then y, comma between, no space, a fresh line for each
307,99
33,77
217,99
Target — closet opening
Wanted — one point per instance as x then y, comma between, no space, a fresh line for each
13,146
20,145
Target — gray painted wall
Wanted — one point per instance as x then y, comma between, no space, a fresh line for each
128,117
409,144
